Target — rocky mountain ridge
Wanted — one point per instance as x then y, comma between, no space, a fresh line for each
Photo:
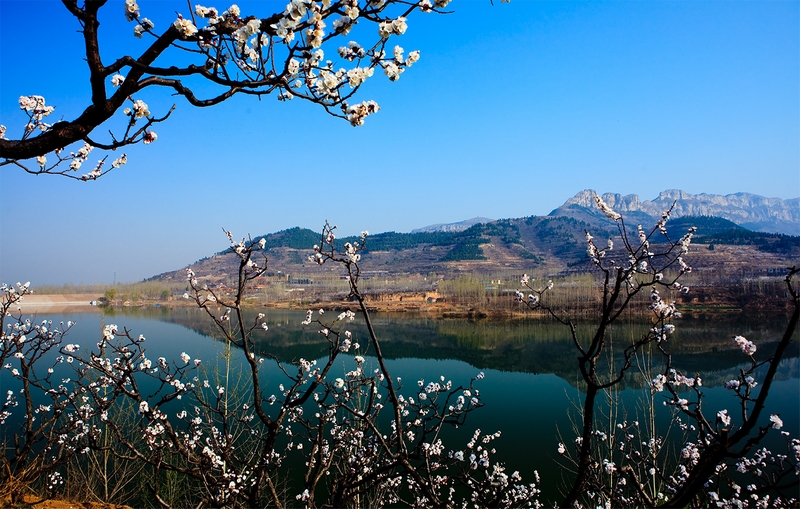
452,227
751,211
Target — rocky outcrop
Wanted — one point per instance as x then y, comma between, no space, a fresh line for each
452,227
745,209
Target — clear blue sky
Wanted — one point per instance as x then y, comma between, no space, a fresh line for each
512,109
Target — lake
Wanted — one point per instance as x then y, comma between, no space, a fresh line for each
531,383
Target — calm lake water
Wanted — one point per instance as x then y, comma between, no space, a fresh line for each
531,383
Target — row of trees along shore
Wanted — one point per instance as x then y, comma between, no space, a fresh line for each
488,291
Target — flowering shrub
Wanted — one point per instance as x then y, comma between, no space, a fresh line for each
232,444
628,465
56,424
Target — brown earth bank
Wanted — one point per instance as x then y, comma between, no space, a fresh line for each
32,502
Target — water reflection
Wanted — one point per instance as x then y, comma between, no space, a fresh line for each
701,344
532,385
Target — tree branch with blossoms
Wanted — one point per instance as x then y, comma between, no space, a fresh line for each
230,442
414,451
631,475
718,443
38,400
637,268
208,56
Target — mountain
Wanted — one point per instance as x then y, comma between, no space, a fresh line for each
453,227
553,244
750,211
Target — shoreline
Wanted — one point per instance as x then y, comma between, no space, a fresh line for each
50,303
53,303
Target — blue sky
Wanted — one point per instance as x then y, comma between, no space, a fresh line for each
512,109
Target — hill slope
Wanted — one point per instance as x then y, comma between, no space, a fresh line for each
550,245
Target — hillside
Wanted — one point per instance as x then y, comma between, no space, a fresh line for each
723,254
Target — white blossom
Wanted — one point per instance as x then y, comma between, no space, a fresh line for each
131,10
185,27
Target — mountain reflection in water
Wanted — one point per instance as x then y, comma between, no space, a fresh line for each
701,344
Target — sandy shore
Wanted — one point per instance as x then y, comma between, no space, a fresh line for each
36,303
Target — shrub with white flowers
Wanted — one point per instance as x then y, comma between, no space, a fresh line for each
628,465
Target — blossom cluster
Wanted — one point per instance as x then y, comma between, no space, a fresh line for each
748,347
605,209
533,299
35,107
662,309
310,75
